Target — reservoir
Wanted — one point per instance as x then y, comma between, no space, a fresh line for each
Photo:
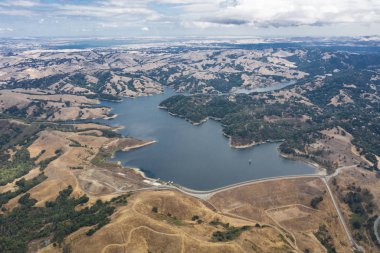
197,157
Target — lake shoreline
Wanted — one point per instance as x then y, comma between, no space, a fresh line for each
318,167
252,144
319,170
187,155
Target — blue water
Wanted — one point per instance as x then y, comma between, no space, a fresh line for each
277,86
198,157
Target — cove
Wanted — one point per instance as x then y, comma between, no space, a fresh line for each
197,157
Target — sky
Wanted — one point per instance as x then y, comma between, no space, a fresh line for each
186,18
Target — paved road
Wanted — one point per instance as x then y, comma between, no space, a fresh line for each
326,179
375,227
346,229
209,193
206,195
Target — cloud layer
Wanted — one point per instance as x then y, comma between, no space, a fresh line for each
205,14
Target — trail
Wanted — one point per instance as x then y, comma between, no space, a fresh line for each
207,194
130,235
342,221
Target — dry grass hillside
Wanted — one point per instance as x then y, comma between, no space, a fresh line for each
48,105
335,147
286,205
79,164
136,228
274,216
278,214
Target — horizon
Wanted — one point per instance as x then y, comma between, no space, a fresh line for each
262,38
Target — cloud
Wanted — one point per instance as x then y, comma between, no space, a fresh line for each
109,25
261,13
145,29
204,24
284,13
190,14
5,29
20,13
101,11
21,3
228,21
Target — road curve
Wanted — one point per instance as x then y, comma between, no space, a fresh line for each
339,170
375,227
207,194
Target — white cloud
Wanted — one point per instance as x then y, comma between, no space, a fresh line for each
283,13
21,3
5,29
109,25
204,24
97,11
205,13
198,14
145,29
21,13
108,12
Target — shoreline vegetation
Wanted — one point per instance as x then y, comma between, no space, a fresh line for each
319,168
329,114
305,128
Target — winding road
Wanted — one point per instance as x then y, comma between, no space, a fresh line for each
207,194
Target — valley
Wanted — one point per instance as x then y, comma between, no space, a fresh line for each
190,147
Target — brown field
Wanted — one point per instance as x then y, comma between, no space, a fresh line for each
286,205
278,212
56,107
135,228
336,148
281,208
91,179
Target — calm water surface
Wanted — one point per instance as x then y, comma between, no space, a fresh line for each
277,86
197,157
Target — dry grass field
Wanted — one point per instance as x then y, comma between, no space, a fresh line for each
75,166
135,228
335,148
43,105
285,204
278,214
